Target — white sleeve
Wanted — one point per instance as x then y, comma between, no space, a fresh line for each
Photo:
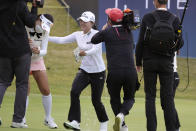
44,45
63,40
94,49
175,62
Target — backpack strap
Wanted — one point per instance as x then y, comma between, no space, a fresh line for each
156,16
171,19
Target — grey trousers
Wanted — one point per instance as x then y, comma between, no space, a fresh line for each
18,67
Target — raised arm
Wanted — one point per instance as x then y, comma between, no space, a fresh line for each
63,40
98,38
28,18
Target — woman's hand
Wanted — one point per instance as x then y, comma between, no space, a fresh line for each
35,50
30,42
139,68
105,26
82,53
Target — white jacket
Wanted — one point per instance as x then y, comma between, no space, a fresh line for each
93,61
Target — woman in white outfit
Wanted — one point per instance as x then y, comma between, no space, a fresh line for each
91,71
39,43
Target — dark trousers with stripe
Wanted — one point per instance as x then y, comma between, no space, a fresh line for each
81,81
163,68
19,67
176,83
122,79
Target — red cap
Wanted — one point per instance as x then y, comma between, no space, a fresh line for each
114,14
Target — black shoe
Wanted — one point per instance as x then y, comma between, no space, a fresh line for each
0,122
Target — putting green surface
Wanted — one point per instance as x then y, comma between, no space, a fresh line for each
136,120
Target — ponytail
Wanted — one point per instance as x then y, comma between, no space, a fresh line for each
94,27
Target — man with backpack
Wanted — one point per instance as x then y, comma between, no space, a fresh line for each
158,40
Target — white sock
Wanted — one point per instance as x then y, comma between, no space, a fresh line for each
104,126
27,104
47,103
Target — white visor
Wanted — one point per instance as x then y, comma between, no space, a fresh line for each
46,24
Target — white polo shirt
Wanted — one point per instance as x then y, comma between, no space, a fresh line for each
93,61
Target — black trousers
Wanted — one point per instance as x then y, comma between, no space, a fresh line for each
116,80
175,86
81,81
19,67
163,68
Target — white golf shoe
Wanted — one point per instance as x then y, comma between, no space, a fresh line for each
118,122
24,120
50,123
19,125
74,125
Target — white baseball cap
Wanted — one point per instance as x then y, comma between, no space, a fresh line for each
87,16
46,24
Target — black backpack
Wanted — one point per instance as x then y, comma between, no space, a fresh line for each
162,35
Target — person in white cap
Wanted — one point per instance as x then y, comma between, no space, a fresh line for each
39,42
91,71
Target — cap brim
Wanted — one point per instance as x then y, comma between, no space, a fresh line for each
83,19
107,11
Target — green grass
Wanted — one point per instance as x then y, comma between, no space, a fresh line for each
136,120
61,72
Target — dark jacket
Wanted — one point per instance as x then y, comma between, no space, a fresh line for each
15,16
119,47
143,52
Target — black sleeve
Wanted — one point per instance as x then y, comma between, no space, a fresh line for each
139,46
28,17
98,37
179,39
34,10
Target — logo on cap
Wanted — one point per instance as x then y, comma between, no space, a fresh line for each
87,16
